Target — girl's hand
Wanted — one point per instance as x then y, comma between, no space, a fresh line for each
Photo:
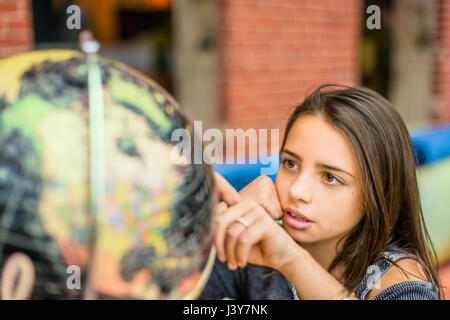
263,242
263,191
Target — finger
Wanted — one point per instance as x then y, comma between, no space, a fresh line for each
223,222
267,197
233,233
272,206
221,207
278,210
226,191
247,242
230,241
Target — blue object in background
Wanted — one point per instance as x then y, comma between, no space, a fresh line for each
239,175
431,144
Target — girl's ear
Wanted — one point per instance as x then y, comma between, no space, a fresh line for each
226,191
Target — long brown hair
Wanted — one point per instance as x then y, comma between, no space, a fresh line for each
392,213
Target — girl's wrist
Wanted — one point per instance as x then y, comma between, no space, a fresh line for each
295,265
309,279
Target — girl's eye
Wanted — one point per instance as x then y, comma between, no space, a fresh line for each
330,178
289,164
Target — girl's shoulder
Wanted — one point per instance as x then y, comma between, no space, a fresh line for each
396,275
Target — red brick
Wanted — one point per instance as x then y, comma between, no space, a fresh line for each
274,51
15,27
8,6
20,24
441,81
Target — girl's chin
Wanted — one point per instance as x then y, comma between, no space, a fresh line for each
299,236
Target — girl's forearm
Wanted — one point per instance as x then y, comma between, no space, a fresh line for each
310,279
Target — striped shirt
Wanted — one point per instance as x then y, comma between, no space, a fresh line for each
262,283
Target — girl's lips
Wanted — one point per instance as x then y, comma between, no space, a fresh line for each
297,213
291,217
296,223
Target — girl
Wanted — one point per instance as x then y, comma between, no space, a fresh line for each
343,220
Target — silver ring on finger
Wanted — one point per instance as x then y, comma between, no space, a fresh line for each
243,222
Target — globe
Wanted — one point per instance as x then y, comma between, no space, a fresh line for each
150,239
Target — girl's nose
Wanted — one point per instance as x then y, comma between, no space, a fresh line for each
300,189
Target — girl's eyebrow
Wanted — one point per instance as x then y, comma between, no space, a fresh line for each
319,165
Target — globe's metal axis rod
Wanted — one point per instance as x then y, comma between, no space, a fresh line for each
96,133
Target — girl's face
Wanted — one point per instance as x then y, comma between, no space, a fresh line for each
318,178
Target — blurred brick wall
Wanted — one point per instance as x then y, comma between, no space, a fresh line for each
16,27
441,84
274,51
